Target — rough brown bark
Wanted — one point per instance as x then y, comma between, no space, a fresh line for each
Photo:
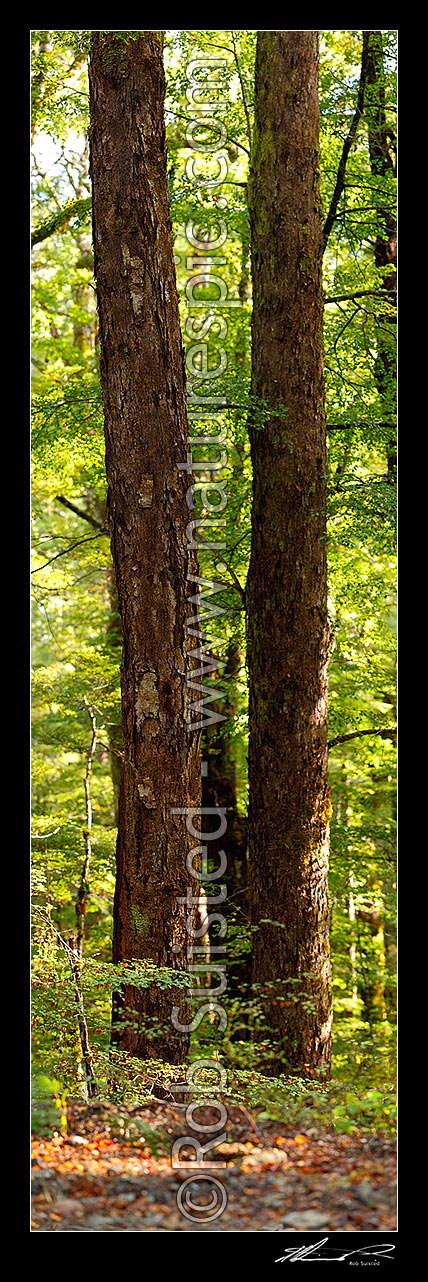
142,380
286,589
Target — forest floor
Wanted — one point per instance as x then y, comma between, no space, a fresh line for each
102,1176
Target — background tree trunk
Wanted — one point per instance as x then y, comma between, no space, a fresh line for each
286,588
142,381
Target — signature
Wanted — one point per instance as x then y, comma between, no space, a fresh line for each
319,1251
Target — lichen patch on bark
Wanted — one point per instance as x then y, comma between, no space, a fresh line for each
145,497
147,704
145,791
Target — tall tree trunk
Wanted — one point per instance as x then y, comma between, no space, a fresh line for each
289,805
142,379
381,149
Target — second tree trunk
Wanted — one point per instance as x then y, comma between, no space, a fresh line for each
287,589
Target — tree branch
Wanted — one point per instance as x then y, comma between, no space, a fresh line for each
69,549
181,116
349,427
385,732
235,580
247,114
348,143
358,293
331,427
78,209
79,512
